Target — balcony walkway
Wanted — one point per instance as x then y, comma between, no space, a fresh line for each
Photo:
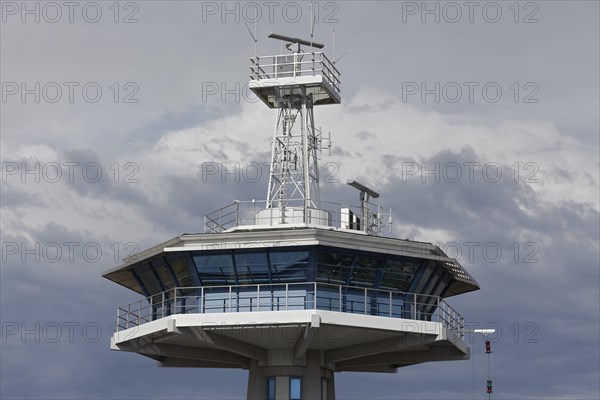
290,296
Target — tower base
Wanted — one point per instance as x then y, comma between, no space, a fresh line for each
283,378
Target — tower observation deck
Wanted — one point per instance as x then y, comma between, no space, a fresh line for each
293,288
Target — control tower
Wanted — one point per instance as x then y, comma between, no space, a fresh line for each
292,288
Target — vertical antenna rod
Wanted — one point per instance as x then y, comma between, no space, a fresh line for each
312,21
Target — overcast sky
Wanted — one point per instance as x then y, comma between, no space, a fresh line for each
477,122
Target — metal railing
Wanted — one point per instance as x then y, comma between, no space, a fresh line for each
290,296
255,212
295,65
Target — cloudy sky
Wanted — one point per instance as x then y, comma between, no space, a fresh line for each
477,122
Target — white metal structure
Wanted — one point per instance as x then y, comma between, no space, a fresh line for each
293,289
294,83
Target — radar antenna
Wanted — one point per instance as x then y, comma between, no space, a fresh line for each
296,40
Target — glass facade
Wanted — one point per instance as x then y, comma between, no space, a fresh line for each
250,267
291,278
274,267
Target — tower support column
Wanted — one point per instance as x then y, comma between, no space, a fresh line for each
282,377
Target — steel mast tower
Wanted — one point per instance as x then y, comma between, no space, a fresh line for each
293,289
294,172
293,84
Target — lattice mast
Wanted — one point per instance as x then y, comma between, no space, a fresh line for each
294,170
294,83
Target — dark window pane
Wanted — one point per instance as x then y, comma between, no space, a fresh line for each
165,276
396,281
179,267
182,273
252,267
186,281
326,257
215,269
333,267
364,271
149,281
398,274
289,265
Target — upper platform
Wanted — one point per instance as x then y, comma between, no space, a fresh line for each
273,78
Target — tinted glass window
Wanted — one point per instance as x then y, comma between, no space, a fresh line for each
333,267
181,271
165,276
252,267
398,274
364,271
215,269
148,279
289,265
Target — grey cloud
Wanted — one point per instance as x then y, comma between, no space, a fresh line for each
365,135
559,294
367,108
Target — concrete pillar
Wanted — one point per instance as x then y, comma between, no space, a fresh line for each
317,378
257,383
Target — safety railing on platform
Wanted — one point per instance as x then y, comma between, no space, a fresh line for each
260,212
290,296
295,65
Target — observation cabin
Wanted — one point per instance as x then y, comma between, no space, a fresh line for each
292,288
